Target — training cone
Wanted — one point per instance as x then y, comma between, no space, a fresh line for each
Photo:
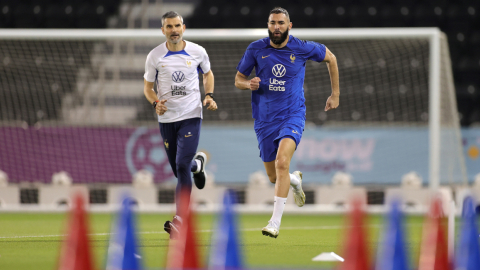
122,251
226,253
468,252
392,253
182,252
434,247
356,252
76,254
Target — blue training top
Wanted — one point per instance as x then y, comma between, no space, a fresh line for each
282,73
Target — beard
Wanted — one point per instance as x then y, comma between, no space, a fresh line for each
278,40
175,41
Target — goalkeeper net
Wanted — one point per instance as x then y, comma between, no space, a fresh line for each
73,101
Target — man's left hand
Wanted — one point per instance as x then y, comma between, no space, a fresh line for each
332,102
212,105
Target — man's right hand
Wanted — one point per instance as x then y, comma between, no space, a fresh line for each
160,109
254,83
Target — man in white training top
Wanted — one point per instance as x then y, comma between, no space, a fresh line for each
175,66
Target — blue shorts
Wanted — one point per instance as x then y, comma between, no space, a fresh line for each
269,134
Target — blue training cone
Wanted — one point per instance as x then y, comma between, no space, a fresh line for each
392,252
226,252
122,251
468,252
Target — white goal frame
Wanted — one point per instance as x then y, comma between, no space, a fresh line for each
433,35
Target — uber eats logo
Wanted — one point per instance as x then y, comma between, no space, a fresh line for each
278,71
178,90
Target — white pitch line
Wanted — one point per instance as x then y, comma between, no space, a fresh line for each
333,227
160,232
46,236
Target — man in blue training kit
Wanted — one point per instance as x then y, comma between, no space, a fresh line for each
278,103
174,66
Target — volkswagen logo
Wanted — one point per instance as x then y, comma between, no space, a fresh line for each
178,76
279,70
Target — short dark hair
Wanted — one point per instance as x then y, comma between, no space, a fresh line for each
279,10
171,14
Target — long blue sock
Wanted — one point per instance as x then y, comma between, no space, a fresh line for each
194,166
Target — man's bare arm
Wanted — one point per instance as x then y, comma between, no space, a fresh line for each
149,92
151,96
243,83
208,83
334,99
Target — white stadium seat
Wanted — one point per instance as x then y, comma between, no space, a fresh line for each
60,195
9,196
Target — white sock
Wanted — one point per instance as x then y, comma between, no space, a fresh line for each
199,165
278,207
294,181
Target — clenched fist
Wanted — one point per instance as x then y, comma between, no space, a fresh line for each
255,83
160,109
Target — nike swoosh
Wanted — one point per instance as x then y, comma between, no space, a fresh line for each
265,56
186,136
164,65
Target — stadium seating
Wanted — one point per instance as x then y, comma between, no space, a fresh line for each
144,197
73,55
209,196
418,199
264,196
9,196
462,192
339,197
56,14
53,196
91,16
459,20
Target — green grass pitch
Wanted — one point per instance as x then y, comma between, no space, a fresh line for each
33,240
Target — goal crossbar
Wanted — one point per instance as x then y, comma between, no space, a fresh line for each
217,34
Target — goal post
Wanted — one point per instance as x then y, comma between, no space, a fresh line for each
399,77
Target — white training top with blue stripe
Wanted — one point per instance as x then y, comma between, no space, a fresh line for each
176,75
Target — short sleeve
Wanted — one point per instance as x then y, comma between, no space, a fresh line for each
150,69
205,62
314,51
247,62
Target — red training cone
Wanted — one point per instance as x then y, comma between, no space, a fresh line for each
75,254
356,252
434,248
182,252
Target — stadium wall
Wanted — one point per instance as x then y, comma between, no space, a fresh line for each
113,155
